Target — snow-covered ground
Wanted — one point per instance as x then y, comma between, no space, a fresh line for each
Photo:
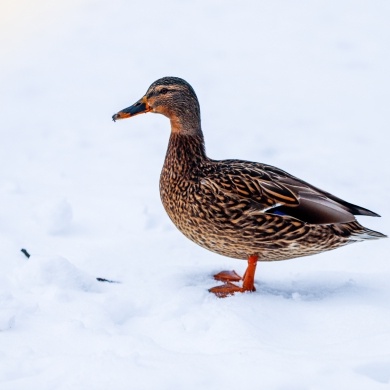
303,85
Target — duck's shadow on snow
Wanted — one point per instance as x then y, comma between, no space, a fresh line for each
309,290
302,290
314,289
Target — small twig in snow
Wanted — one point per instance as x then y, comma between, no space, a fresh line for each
24,251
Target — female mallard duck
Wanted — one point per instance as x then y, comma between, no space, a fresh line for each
241,209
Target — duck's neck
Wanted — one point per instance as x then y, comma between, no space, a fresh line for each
185,152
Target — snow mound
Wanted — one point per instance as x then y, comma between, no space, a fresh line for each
43,271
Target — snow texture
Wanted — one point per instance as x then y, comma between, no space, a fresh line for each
302,85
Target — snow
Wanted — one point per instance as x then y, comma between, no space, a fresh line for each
300,85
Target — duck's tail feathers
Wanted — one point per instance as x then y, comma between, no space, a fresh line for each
366,234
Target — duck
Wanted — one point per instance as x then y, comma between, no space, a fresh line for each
240,209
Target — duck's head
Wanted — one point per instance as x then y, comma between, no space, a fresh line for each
172,97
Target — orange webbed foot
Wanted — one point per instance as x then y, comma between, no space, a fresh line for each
225,290
228,276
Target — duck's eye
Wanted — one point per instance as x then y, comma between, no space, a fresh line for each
163,91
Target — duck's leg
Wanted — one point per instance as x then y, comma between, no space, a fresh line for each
249,276
229,288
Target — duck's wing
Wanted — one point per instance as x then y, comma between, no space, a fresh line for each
241,180
314,199
274,191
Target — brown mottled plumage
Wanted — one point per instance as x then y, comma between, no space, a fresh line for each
240,209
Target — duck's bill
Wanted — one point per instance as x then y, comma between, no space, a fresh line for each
139,107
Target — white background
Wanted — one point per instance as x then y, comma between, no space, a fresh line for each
302,85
